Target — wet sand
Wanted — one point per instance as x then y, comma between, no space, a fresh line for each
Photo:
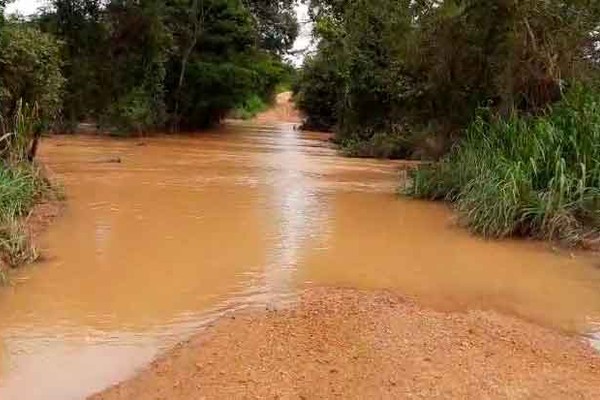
350,344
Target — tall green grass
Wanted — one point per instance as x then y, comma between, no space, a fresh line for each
17,133
21,186
526,176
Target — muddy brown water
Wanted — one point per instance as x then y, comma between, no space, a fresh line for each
186,228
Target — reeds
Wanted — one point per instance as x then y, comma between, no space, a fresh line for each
21,185
528,176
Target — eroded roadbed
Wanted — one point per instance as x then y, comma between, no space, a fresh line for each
347,343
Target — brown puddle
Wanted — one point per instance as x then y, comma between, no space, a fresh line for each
185,228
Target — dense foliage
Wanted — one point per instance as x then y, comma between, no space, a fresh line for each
30,96
29,70
136,66
536,176
403,78
318,86
30,89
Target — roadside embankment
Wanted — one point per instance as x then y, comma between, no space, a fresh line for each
355,344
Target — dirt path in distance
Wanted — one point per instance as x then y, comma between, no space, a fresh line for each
283,110
349,344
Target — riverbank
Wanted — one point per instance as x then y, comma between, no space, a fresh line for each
369,344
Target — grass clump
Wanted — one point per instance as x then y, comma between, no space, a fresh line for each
533,176
22,185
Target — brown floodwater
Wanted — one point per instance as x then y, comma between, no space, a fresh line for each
185,228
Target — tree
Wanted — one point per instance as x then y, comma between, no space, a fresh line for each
30,88
276,23
139,43
79,25
190,25
411,70
140,65
29,70
215,46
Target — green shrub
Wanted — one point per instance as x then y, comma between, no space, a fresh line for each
318,89
249,108
29,71
535,176
133,113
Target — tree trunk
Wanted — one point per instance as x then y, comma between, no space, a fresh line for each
186,56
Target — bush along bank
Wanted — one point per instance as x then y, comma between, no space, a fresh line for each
22,186
525,175
249,108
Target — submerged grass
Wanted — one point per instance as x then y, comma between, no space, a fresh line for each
526,176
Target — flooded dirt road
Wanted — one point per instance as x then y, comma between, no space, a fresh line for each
163,235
